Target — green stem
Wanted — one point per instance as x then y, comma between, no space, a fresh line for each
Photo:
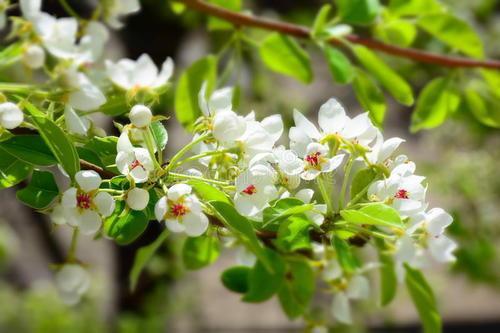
72,248
345,181
186,177
205,154
22,89
69,10
324,194
148,139
184,150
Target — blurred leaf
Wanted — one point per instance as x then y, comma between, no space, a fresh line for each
373,214
388,277
30,149
424,300
208,192
321,20
236,279
484,112
115,106
263,284
12,169
293,234
340,66
11,54
40,192
284,55
391,81
453,31
125,226
414,7
189,84
397,31
218,24
160,134
346,258
370,96
143,256
298,288
55,138
492,78
436,102
361,180
361,12
201,251
284,208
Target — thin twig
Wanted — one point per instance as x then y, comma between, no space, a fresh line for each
241,19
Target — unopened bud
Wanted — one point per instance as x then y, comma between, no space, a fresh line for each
34,57
140,116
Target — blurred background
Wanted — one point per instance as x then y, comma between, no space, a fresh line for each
460,160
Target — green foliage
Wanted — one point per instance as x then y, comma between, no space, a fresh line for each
361,180
30,149
104,149
187,109
11,54
370,96
360,12
284,208
436,102
388,277
124,225
160,134
201,251
340,66
12,170
298,288
236,279
208,192
424,300
40,192
414,7
397,31
484,108
218,24
321,20
345,256
293,234
284,55
377,214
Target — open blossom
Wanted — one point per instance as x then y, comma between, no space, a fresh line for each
115,9
72,282
382,150
285,162
84,206
84,95
254,190
358,288
181,210
11,115
136,162
140,74
316,161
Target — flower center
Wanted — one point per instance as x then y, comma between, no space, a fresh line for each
313,159
250,189
402,194
179,209
135,164
83,200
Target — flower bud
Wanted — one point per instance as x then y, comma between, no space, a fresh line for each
140,115
137,198
72,281
10,115
34,57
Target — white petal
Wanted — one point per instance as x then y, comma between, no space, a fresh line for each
88,180
105,203
406,250
195,224
305,195
388,148
333,163
137,198
175,192
442,248
315,147
358,288
341,309
72,216
161,209
71,277
140,115
69,198
88,97
331,117
57,215
228,126
299,141
166,72
144,157
10,115
357,126
304,125
174,225
437,221
120,73
90,222
30,8
221,100
34,56
123,160
124,143
74,123
246,206
332,270
310,174
274,126
145,71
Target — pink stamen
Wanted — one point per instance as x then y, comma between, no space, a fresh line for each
402,194
313,159
83,200
251,189
179,210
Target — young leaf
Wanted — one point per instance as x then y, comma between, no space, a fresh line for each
218,24
340,66
424,300
187,109
360,12
30,149
208,192
293,234
453,31
40,192
484,112
284,55
263,284
436,101
283,208
361,180
104,148
346,258
55,138
160,134
373,214
321,20
391,81
298,289
236,279
12,169
201,251
397,31
143,256
11,54
125,227
414,7
370,96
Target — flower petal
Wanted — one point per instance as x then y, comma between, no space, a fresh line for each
90,222
137,198
88,180
195,224
161,209
341,309
105,203
332,117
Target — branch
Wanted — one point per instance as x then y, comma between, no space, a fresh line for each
102,172
240,19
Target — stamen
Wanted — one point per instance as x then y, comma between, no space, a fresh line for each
251,189
83,200
179,210
313,159
135,164
402,194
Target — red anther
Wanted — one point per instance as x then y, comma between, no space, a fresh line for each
179,210
313,159
402,194
135,164
83,200
251,189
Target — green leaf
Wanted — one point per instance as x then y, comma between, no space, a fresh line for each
284,208
219,24
40,192
340,66
321,20
208,192
393,82
143,256
492,78
124,225
388,277
484,111
436,102
55,138
187,109
115,106
243,229
424,300
30,149
346,258
370,96
12,170
361,180
374,214
358,11
397,31
454,32
414,7
298,289
236,279
201,251
284,55
293,234
160,134
263,284
11,54
104,148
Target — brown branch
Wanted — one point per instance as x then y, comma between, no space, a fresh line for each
102,172
240,19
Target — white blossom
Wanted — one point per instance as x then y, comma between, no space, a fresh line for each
116,9
11,115
316,161
72,282
135,162
140,116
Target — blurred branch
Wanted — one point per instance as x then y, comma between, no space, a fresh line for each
240,19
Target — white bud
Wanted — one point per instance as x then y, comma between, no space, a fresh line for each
140,115
10,115
34,57
137,198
